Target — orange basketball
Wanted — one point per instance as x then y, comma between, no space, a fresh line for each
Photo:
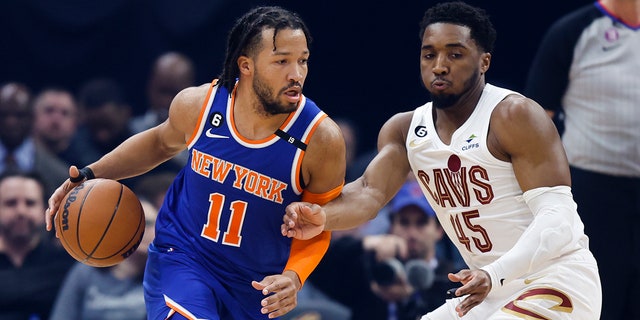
100,222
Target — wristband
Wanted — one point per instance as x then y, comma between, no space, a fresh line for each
84,173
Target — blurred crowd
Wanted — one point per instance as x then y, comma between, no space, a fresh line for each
42,133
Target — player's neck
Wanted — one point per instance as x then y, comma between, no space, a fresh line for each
250,119
626,10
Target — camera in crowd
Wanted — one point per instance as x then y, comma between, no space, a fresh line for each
417,272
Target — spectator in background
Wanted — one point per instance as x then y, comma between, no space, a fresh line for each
112,293
368,283
356,161
107,116
171,73
588,69
56,120
350,134
153,187
18,150
31,268
15,124
106,113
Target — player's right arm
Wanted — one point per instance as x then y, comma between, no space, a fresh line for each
361,199
145,150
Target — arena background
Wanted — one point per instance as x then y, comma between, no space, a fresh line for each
364,62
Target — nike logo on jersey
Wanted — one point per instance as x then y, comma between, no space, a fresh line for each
605,48
532,279
215,136
416,142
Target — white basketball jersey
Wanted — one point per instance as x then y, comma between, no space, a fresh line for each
475,195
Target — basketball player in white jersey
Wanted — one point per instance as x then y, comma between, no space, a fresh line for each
492,165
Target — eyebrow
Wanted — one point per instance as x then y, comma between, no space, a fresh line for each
287,53
449,45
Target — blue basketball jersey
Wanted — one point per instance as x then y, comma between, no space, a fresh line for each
225,207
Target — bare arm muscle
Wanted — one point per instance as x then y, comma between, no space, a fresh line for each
363,198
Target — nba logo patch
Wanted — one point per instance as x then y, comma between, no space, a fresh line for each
611,35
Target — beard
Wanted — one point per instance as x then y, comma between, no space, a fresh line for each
444,101
19,232
271,104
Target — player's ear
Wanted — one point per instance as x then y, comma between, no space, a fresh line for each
485,62
245,65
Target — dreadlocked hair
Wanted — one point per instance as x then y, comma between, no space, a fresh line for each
460,13
245,36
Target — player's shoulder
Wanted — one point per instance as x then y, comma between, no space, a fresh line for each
192,95
400,121
327,132
514,106
517,117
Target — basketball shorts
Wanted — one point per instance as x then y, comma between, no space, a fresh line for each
176,287
567,289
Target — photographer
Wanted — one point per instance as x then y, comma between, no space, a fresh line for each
391,276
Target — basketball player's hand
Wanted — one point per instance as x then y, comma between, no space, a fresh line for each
281,291
58,195
303,220
476,284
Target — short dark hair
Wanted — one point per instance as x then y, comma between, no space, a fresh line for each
97,92
244,37
31,175
460,13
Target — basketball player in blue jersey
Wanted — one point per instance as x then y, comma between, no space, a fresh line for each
492,166
256,144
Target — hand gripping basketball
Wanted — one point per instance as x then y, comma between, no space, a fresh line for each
76,176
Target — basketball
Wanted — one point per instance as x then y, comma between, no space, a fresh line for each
100,222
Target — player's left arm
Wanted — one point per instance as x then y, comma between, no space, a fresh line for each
323,171
524,133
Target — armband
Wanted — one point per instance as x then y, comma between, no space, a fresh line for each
84,173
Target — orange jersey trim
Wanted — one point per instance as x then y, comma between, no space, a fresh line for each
299,163
176,308
203,108
305,255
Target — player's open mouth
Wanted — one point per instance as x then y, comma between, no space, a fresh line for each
293,95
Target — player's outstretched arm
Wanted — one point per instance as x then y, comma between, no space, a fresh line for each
146,150
143,151
303,220
361,199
